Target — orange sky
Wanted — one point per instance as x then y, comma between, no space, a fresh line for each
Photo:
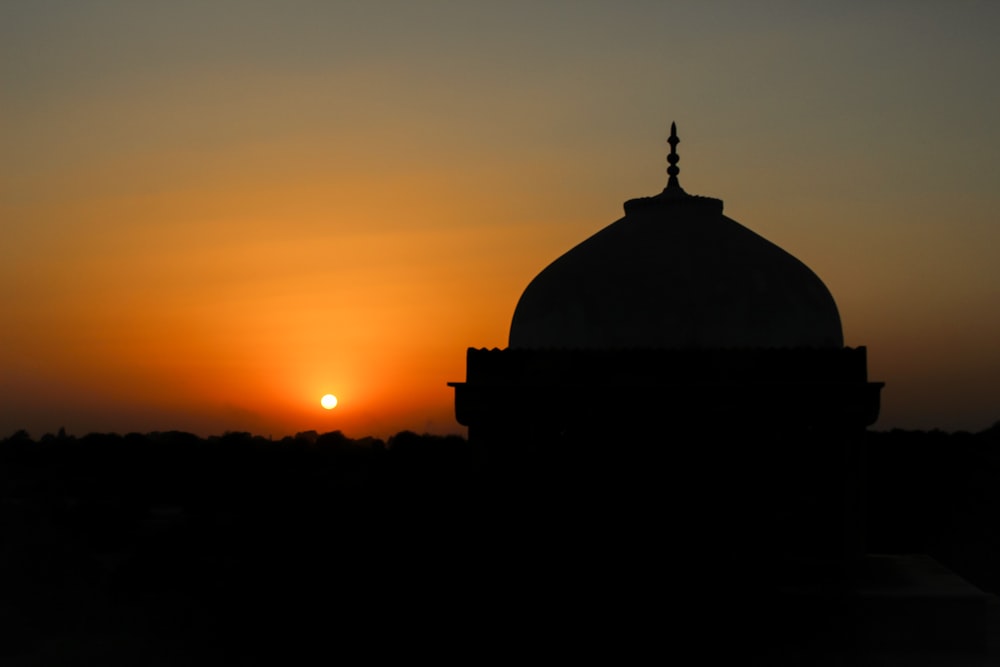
213,213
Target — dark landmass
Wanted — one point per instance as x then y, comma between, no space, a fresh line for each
170,549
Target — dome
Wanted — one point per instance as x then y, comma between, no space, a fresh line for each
675,273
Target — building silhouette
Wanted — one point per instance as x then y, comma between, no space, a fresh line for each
677,344
678,386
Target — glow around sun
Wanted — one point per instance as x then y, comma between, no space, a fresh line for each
329,401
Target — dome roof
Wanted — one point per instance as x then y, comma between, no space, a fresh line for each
676,273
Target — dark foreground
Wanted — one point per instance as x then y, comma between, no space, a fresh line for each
168,549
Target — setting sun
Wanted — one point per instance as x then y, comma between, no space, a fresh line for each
329,401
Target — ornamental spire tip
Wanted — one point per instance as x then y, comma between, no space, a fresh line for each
673,185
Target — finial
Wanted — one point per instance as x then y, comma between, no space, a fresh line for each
673,158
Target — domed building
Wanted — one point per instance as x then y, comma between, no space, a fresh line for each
676,419
704,355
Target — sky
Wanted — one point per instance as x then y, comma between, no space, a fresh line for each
214,212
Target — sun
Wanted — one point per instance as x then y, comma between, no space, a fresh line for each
329,401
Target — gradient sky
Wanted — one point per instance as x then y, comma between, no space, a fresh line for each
214,212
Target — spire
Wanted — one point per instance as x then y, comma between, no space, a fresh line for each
673,185
673,193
